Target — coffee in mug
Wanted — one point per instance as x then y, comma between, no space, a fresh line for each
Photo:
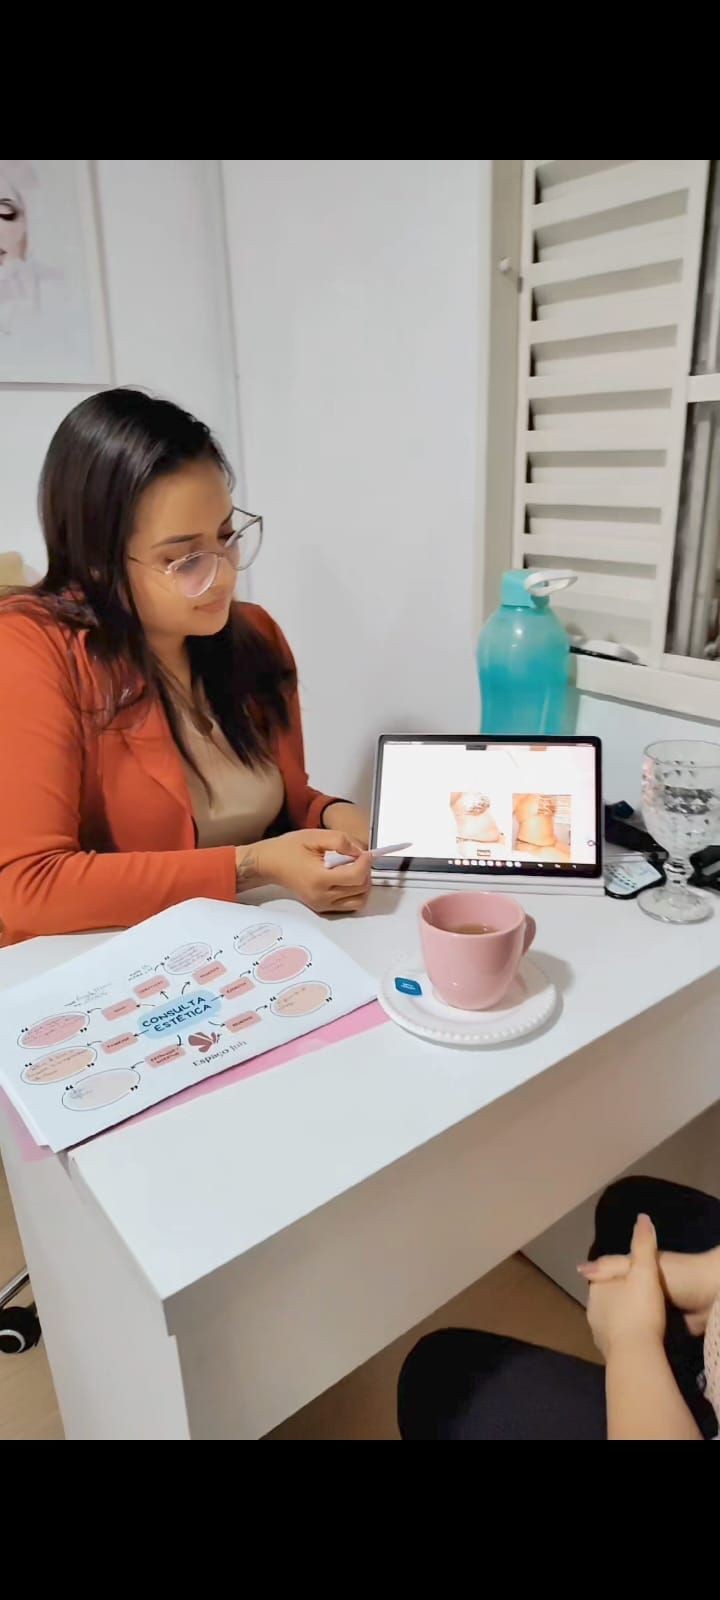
473,945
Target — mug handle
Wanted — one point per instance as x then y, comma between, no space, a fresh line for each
530,932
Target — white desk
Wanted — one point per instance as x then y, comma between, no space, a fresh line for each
206,1272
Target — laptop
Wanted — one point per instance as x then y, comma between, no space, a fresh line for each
498,810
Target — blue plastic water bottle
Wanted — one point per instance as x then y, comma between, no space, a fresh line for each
523,658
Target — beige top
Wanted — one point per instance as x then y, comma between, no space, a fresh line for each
712,1358
242,802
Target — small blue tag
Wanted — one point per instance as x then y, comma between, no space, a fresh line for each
407,986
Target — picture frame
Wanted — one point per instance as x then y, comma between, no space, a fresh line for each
53,313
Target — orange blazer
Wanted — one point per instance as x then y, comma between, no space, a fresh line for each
96,825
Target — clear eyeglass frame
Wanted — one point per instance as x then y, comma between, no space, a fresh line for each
197,572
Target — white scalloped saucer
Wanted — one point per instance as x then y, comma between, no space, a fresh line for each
528,1004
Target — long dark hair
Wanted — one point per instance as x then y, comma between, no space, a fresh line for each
103,456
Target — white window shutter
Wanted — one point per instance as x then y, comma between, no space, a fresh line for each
610,261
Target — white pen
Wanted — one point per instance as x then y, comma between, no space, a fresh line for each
332,859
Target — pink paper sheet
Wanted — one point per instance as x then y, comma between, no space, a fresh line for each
358,1022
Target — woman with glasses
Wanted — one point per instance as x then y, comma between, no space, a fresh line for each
150,739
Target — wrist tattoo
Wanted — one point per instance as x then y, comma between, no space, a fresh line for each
246,871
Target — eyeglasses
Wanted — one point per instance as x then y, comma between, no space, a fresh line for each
196,573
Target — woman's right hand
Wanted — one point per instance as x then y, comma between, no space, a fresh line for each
296,862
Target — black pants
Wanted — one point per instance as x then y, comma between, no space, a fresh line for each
461,1384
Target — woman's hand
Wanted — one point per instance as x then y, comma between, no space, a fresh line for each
295,861
629,1307
691,1281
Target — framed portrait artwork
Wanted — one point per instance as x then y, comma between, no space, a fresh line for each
53,322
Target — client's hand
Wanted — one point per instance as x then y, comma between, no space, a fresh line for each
691,1281
295,861
629,1306
627,1317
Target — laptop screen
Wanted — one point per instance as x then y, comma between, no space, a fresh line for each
489,805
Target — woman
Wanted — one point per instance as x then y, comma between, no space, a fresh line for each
655,1317
13,223
35,305
475,826
537,827
150,739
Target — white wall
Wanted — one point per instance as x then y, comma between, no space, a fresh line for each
170,325
625,731
360,298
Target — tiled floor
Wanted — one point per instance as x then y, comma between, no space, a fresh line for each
515,1299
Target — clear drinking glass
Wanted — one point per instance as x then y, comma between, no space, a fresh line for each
681,807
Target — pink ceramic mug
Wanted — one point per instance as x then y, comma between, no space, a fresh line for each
473,970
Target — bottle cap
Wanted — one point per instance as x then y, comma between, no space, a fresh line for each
532,589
